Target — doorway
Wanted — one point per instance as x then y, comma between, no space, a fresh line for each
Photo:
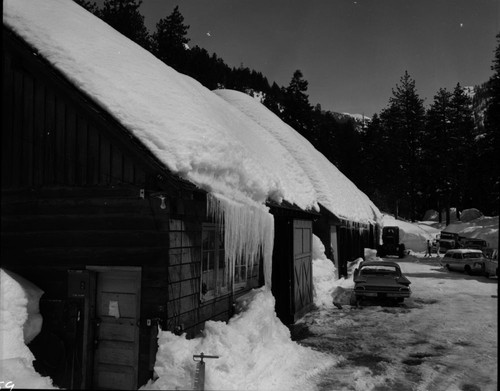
115,323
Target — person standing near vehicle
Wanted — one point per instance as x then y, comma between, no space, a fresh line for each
429,249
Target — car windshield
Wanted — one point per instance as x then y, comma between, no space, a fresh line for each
378,270
472,255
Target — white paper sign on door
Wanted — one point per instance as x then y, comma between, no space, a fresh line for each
114,309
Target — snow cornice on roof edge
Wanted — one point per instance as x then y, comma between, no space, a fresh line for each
193,132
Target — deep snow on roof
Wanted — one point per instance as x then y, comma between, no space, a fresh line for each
245,156
333,189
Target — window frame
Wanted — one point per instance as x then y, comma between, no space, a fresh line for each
220,275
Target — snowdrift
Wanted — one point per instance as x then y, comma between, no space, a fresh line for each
484,227
328,289
18,301
413,235
254,348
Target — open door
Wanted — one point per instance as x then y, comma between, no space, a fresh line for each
116,329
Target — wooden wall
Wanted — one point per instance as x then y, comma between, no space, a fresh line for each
353,238
52,139
71,198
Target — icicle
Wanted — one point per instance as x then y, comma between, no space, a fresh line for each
248,231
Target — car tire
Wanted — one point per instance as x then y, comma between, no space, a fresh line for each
467,270
448,268
485,272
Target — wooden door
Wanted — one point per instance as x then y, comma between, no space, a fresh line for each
116,325
302,289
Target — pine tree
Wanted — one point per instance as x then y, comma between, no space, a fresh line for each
89,6
462,143
170,40
374,164
489,143
404,122
124,16
437,155
274,99
297,111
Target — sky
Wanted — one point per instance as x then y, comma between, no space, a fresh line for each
352,52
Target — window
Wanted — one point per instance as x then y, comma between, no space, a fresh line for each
214,269
244,270
378,270
472,255
240,273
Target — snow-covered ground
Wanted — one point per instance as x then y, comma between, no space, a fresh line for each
444,337
472,225
255,353
413,235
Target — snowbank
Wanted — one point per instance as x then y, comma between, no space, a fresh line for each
18,297
413,235
330,291
484,227
324,275
254,348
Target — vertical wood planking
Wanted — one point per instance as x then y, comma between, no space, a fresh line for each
116,164
93,156
128,170
60,116
49,160
7,128
105,160
41,133
27,134
18,125
139,177
70,146
81,151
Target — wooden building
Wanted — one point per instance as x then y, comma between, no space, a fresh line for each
344,240
117,242
292,283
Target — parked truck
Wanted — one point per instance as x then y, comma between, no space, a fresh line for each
448,241
390,243
452,241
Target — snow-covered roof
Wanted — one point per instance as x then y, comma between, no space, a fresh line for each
333,189
225,143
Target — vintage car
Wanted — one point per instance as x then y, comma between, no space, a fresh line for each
465,260
380,279
490,267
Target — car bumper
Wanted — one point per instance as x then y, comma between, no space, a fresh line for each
388,294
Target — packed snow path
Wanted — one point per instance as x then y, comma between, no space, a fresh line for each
444,337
